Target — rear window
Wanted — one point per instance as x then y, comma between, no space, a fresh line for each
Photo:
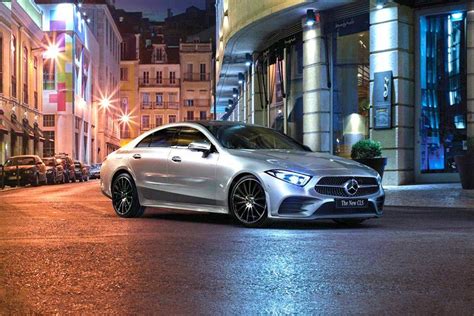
23,161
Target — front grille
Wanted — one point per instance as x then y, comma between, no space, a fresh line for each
334,186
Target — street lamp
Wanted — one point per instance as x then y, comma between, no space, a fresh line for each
52,51
235,92
125,118
241,78
105,103
310,17
248,60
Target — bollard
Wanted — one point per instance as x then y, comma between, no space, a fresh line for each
17,175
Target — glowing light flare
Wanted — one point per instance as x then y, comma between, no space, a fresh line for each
52,51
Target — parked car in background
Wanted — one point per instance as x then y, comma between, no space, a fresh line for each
54,170
81,171
23,170
95,171
68,165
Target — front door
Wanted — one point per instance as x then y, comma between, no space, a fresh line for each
149,163
192,174
441,106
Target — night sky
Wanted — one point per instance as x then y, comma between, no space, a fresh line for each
156,9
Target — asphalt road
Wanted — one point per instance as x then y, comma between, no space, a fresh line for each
63,250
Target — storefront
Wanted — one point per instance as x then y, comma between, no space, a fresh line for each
396,72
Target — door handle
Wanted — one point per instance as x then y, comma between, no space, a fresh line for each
176,159
137,156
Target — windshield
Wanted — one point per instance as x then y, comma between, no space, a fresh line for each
49,162
252,137
23,161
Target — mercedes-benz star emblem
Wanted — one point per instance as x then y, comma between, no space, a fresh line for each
351,187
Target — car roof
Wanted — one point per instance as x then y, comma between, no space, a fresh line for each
24,156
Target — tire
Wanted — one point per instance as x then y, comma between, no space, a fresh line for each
36,181
248,203
125,197
350,221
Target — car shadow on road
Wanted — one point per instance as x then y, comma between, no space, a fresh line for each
224,219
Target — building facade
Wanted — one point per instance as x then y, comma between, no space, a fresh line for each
159,87
161,82
70,56
195,60
21,67
332,73
107,93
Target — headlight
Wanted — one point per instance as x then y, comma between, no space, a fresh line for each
290,177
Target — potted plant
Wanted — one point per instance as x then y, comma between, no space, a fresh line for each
465,165
369,153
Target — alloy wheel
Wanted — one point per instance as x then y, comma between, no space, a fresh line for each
122,195
249,202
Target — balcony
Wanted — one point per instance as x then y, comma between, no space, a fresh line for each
157,82
197,76
200,103
195,47
159,106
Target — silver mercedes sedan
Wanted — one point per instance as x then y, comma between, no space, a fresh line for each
254,173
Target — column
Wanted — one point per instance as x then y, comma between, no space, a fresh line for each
470,70
316,94
392,48
256,97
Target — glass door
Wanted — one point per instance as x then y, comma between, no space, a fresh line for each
351,90
441,96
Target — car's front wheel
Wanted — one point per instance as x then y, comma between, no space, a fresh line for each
125,197
248,203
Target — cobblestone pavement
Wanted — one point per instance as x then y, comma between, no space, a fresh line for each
63,250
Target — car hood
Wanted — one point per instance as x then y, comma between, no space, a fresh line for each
307,162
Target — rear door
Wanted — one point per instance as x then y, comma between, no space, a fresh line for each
148,161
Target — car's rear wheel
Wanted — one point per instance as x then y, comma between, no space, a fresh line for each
248,203
125,197
350,221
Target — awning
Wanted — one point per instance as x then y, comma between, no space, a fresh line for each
15,128
28,129
39,133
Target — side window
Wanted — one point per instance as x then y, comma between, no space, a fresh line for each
164,137
187,135
145,142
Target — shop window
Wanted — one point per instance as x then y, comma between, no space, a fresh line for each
443,128
48,147
351,91
294,90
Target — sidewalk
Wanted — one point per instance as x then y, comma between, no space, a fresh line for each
447,195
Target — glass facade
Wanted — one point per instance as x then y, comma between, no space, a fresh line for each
443,128
351,90
294,90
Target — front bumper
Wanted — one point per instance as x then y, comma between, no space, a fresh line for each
287,201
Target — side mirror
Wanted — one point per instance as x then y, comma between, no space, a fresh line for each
204,147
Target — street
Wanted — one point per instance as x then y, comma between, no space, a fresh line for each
63,249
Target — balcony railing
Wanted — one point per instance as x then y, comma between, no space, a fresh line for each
159,105
197,76
157,82
201,103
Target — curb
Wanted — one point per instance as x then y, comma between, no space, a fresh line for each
408,208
